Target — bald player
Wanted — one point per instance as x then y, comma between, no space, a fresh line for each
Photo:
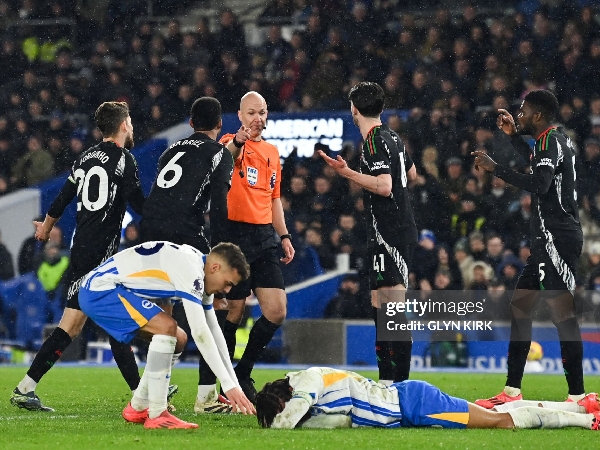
255,216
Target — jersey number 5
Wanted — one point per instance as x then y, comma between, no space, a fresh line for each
83,188
177,170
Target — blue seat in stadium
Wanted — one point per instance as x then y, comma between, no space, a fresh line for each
32,311
10,292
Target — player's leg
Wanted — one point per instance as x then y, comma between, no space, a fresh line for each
267,283
560,266
51,350
522,304
589,404
388,278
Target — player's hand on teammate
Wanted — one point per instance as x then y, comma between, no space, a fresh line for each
483,161
240,402
242,135
288,250
339,164
506,122
41,234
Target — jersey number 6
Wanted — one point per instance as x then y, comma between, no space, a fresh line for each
177,170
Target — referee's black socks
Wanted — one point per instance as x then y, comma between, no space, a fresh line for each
50,352
261,334
518,348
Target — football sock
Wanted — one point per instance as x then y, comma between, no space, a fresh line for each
511,391
386,382
125,360
207,377
400,355
158,370
558,406
571,349
229,330
26,385
51,350
382,354
175,358
221,316
576,398
518,348
531,417
139,400
207,393
261,334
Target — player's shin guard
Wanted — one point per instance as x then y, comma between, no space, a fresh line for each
50,352
125,360
571,349
383,355
261,334
518,348
532,417
158,372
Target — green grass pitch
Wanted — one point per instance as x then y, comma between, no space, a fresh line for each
88,403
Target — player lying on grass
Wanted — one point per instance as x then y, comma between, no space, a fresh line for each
118,296
321,397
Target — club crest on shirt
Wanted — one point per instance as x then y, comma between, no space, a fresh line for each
147,304
273,179
198,286
252,173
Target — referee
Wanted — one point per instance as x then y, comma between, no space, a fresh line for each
255,213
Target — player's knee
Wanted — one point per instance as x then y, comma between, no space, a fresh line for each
276,313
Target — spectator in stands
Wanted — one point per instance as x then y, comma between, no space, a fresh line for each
501,198
497,301
131,236
7,268
430,205
425,259
454,180
477,245
469,218
516,226
494,251
465,260
35,166
447,263
482,274
51,270
29,253
348,304
314,238
509,271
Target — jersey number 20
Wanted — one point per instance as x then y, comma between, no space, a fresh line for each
83,187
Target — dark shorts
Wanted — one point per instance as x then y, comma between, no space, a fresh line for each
260,247
150,231
83,261
552,267
389,266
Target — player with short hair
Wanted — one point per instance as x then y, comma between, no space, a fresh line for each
321,397
193,174
104,178
557,240
118,296
255,214
385,170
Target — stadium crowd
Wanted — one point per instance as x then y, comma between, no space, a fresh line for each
445,74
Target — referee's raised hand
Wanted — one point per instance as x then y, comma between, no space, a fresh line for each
242,135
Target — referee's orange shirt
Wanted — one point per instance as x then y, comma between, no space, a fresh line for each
249,199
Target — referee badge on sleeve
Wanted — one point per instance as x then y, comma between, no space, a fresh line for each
252,175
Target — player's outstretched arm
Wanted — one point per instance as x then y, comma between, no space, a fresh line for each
292,414
328,421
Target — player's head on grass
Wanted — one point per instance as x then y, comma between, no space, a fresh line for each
225,267
537,112
367,99
112,119
205,114
271,400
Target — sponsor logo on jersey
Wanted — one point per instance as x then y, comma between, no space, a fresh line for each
147,304
379,165
545,162
252,173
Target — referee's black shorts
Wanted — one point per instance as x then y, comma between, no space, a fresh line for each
260,247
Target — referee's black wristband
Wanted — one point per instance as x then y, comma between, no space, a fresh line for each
286,236
237,144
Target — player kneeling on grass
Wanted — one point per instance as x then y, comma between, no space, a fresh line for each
117,296
321,397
